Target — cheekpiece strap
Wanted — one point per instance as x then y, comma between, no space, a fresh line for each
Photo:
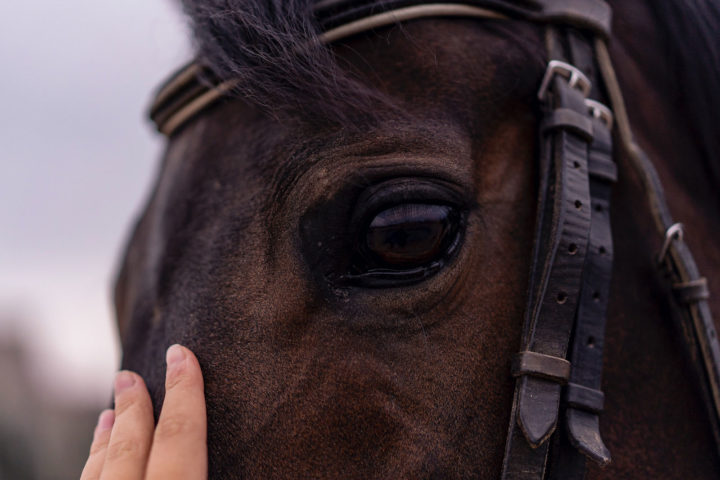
581,419
576,129
580,438
561,246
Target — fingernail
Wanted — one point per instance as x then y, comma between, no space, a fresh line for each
123,381
105,421
175,356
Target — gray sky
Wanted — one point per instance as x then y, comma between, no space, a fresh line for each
77,158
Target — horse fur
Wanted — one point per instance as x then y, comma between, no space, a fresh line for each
251,210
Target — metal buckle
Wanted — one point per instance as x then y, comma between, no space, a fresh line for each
600,111
576,78
674,232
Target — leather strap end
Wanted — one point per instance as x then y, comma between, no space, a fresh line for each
538,406
584,432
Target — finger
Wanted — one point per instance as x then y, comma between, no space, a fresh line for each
179,447
101,437
131,436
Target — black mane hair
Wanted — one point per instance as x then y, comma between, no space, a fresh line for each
270,47
691,29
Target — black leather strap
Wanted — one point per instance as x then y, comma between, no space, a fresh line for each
583,400
696,322
563,225
583,397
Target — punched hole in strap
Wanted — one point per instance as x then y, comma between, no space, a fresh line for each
692,291
543,366
571,120
584,398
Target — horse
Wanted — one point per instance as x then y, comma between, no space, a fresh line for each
274,209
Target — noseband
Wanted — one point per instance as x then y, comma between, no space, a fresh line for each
558,370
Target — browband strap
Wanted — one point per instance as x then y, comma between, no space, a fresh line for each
195,88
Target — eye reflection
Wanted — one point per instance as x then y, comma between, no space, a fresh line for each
411,235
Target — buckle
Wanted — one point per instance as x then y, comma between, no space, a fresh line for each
600,111
576,78
674,232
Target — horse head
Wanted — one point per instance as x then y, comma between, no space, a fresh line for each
345,242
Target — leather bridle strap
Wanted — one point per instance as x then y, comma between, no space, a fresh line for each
675,259
561,247
194,88
583,398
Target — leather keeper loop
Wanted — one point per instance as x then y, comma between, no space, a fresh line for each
596,16
571,120
584,398
602,167
692,291
542,366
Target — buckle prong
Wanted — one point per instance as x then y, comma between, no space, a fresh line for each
575,77
600,111
674,232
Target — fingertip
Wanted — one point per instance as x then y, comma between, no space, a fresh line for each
105,422
179,444
124,380
175,354
180,360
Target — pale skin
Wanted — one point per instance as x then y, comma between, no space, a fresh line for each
127,445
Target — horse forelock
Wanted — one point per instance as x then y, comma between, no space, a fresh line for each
270,49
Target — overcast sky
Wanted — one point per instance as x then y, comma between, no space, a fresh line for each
77,159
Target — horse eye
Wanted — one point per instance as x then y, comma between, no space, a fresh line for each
411,235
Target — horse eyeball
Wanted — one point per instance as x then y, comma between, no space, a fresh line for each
411,235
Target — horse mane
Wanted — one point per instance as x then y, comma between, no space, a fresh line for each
270,48
690,29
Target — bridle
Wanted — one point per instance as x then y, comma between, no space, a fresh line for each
558,371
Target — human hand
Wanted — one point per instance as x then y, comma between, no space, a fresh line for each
127,445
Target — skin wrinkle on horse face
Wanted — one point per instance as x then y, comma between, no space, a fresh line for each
306,380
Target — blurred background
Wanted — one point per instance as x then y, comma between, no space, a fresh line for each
77,158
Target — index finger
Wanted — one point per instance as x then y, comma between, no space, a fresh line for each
179,449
